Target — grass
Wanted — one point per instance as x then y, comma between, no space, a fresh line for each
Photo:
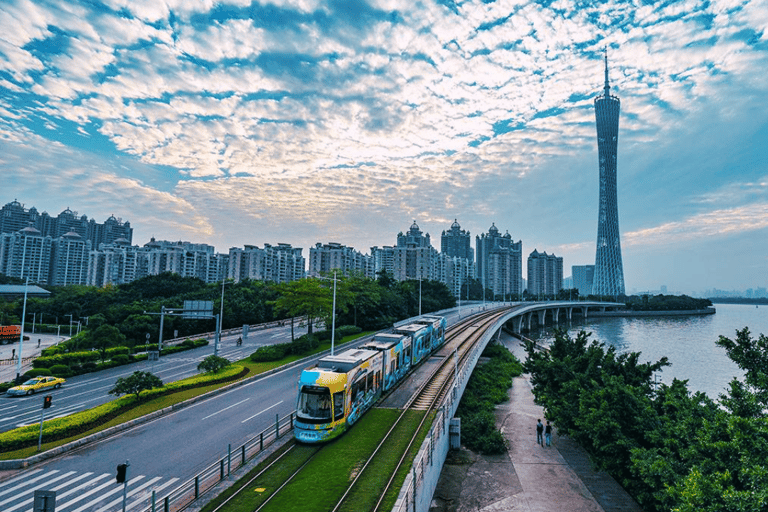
323,481
325,478
172,399
367,490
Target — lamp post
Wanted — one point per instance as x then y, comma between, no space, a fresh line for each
21,336
333,313
219,320
70,325
420,295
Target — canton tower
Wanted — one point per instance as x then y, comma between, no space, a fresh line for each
609,272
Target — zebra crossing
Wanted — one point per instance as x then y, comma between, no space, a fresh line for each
81,492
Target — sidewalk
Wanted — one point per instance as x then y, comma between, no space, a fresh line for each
30,349
529,478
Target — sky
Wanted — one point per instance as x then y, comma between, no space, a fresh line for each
303,121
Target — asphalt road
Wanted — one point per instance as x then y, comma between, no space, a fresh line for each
92,389
162,453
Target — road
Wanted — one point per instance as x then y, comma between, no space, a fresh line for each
89,390
162,453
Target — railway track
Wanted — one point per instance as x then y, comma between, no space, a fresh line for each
460,339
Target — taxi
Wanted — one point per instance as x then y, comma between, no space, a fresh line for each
32,386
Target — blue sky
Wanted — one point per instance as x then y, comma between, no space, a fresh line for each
305,121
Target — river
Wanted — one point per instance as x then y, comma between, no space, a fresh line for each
688,342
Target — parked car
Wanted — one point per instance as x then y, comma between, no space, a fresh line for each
32,386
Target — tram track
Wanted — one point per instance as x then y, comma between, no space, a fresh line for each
460,338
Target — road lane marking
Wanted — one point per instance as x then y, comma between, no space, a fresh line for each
31,500
130,494
26,480
224,409
265,410
118,488
85,495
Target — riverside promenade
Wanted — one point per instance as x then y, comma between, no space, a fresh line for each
529,478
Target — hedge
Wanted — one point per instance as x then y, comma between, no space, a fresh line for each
81,422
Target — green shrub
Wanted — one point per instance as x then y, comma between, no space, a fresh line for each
120,359
114,351
270,353
347,330
60,370
37,372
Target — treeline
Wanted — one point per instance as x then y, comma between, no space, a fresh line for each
367,303
665,303
673,450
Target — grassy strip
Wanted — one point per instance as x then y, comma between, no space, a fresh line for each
128,412
259,491
402,473
323,481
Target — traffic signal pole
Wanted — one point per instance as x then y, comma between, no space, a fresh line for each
122,477
46,404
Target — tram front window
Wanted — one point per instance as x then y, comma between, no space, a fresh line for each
314,405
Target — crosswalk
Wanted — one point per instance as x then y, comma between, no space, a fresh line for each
81,492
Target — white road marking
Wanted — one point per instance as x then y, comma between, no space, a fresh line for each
26,480
224,409
265,410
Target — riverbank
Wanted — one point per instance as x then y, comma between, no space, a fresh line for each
529,477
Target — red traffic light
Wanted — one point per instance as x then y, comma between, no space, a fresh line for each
47,401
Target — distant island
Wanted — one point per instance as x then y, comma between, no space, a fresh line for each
740,300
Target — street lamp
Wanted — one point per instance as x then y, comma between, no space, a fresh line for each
21,336
333,317
220,320
70,325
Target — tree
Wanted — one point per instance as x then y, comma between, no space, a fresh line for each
135,383
104,337
311,298
213,364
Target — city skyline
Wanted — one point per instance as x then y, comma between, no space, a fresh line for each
310,121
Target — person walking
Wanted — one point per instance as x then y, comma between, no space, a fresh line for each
548,433
539,432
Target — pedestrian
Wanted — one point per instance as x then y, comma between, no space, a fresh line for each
548,433
13,354
38,342
539,432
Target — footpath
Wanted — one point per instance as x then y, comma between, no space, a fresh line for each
529,478
10,353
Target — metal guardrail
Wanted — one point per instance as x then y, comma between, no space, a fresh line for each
236,330
14,360
186,493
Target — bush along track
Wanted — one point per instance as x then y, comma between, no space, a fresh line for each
672,450
487,387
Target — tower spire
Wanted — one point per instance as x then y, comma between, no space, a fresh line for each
607,86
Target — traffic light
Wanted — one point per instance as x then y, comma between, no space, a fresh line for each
47,401
121,470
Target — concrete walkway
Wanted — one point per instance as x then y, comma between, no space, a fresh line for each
529,478
9,353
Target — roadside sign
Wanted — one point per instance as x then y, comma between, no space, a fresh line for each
153,355
45,501
198,309
245,331
147,336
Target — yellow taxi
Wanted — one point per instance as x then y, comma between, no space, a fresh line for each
32,386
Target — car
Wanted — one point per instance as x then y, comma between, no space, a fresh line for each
32,386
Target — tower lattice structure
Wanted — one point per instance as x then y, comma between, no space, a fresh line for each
609,271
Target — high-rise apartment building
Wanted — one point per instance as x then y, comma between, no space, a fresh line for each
545,273
26,253
325,258
69,260
14,217
279,264
583,277
609,271
456,242
499,262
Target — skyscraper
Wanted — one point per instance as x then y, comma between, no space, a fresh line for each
609,271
